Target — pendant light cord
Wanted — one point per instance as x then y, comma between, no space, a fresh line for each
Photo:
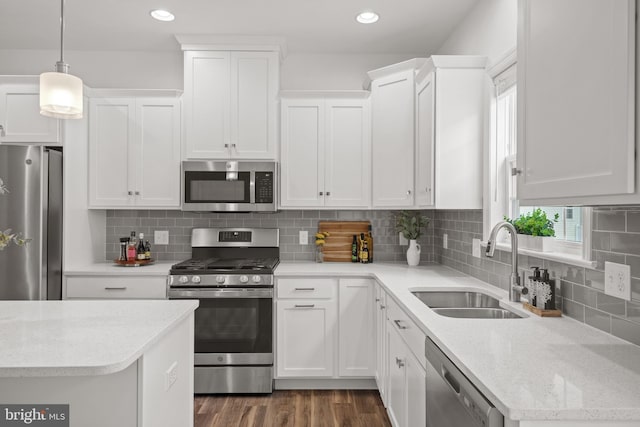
62,31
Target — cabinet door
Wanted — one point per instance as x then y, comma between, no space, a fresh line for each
302,151
111,134
425,133
393,140
20,117
356,357
306,338
575,110
157,157
416,392
206,104
381,343
396,391
254,91
348,153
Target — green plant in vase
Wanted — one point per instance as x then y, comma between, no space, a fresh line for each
7,236
534,223
411,224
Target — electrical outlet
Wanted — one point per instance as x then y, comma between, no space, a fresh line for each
303,237
475,247
170,376
402,240
161,237
617,280
445,241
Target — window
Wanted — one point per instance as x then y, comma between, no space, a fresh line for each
502,181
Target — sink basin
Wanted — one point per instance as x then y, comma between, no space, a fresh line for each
465,304
477,313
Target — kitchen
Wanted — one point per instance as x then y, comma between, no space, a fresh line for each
142,82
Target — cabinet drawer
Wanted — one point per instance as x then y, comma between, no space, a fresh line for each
298,288
408,330
118,287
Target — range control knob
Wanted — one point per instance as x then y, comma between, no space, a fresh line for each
183,279
256,279
220,279
244,279
195,279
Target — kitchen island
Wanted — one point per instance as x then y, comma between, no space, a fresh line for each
124,363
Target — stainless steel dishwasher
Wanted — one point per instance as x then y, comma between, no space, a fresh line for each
452,401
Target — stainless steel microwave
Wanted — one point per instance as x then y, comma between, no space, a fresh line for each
229,186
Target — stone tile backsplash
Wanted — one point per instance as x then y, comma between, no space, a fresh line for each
615,237
179,224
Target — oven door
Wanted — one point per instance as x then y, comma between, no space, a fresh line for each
232,326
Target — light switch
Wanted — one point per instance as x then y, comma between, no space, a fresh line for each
475,247
160,237
402,240
303,237
445,241
617,280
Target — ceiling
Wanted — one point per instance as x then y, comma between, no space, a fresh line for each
324,26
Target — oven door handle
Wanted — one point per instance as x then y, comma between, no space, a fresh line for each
219,293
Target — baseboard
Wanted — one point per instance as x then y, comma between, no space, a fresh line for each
325,384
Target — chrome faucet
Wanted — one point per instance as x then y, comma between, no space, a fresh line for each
515,290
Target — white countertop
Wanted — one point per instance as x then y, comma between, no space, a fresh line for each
69,338
158,268
532,368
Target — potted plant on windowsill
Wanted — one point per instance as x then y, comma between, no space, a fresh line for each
535,230
410,224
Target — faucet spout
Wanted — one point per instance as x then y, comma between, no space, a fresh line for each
515,290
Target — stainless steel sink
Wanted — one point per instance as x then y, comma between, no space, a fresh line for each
465,304
477,313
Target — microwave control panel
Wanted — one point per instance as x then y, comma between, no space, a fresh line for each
264,187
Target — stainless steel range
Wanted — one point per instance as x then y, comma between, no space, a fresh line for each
231,274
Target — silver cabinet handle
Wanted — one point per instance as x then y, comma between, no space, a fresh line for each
397,322
137,193
408,192
377,299
382,307
304,289
304,305
328,193
2,132
226,145
115,288
233,145
130,193
321,193
399,362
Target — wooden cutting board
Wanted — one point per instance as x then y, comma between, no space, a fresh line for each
337,247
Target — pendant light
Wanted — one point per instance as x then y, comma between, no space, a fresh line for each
61,92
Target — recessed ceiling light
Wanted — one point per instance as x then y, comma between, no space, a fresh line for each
367,17
162,15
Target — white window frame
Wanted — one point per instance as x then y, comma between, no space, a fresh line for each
496,182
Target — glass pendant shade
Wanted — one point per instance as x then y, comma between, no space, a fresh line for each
60,96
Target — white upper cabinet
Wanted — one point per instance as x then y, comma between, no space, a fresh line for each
325,149
134,153
392,106
576,100
450,114
20,118
231,104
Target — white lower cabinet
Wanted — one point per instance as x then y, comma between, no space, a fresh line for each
306,336
379,305
406,373
324,328
115,287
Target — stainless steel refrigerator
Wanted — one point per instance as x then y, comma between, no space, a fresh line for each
33,207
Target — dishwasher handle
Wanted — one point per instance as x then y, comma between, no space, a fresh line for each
467,394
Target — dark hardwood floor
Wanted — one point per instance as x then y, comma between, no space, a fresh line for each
295,408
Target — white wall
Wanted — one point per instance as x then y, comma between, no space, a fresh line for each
302,71
164,69
490,29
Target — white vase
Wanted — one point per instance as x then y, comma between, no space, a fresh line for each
413,253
